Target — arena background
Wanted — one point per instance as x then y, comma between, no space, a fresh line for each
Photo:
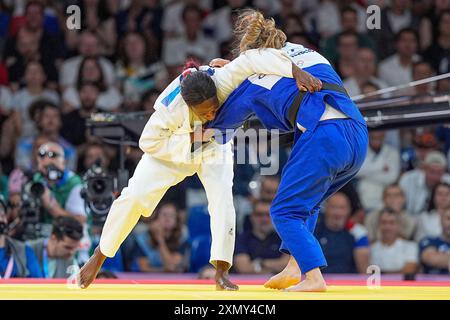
54,80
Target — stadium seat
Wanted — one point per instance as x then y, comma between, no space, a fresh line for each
200,248
198,222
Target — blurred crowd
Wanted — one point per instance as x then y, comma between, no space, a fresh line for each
395,214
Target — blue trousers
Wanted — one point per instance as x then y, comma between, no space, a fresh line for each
322,161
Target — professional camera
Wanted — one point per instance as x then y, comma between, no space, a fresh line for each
98,192
31,211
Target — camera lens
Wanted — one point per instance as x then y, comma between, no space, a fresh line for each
99,186
37,189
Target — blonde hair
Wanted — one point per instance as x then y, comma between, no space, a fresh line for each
253,31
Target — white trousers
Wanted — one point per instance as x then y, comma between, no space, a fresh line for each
152,178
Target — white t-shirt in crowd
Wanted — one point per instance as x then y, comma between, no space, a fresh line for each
416,191
378,170
428,225
395,257
394,73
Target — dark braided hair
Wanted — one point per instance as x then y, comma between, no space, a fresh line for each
197,86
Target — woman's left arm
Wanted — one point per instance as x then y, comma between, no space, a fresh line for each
260,61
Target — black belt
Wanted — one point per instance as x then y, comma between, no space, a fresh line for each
295,105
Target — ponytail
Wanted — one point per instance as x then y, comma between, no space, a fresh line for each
253,31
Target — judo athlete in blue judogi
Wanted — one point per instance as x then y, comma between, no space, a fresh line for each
330,144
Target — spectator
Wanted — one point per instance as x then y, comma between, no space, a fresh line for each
148,100
220,23
423,70
88,47
380,169
394,201
303,39
423,141
428,27
162,245
62,194
392,253
57,253
435,251
94,153
257,250
141,17
417,184
90,71
398,68
349,24
74,123
27,49
365,71
393,19
28,13
283,8
438,53
136,71
269,188
326,17
429,222
34,89
293,24
343,253
48,123
367,88
9,129
17,260
172,21
98,18
267,191
44,47
193,42
443,86
347,49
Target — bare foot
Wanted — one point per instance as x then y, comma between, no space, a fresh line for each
222,281
313,282
89,271
291,275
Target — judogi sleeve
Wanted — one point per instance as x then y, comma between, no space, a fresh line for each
254,61
161,136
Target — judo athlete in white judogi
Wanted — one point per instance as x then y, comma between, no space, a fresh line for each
168,158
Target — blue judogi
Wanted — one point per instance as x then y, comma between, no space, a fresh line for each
323,159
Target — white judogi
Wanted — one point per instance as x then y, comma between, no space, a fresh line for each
168,159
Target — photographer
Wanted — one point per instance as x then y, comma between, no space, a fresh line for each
57,253
17,260
61,196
